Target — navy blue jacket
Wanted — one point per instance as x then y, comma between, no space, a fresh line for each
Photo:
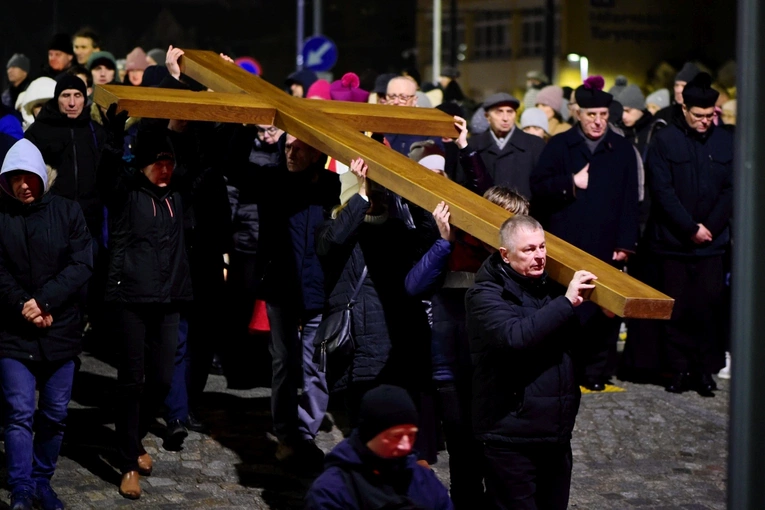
403,143
601,218
291,207
523,376
332,490
690,178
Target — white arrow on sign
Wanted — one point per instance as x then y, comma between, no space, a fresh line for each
315,56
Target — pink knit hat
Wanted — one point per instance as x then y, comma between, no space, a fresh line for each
319,90
347,89
136,60
552,96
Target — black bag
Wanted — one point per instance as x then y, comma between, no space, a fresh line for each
334,338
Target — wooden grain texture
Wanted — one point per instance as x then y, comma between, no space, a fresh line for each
185,105
615,291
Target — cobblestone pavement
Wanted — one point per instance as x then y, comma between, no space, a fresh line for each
642,448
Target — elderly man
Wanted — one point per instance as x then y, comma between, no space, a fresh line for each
71,143
525,398
690,177
508,153
45,260
402,91
375,466
585,191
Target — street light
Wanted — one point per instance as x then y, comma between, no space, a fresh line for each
584,64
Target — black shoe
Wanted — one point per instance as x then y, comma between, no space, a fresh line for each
174,436
22,500
594,385
192,423
47,499
680,383
706,385
216,367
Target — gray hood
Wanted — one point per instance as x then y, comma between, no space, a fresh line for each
24,156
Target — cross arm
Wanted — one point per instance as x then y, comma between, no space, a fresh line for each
157,103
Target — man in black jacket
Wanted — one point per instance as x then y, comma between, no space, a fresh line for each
690,178
525,398
508,153
45,259
71,143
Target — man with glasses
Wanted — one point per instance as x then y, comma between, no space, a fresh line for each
585,191
508,152
689,172
402,91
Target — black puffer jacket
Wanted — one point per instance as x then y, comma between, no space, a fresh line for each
73,148
390,327
45,254
148,259
523,376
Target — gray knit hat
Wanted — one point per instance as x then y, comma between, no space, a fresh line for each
660,98
631,97
19,60
534,117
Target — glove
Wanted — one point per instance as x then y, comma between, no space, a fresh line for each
114,122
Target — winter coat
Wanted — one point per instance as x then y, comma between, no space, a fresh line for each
148,259
351,482
690,178
10,122
640,134
390,328
601,218
291,207
11,94
512,165
556,127
72,147
45,254
523,376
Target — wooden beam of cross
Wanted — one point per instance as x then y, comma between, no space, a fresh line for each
334,128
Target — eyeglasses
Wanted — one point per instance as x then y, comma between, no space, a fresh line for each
399,97
271,130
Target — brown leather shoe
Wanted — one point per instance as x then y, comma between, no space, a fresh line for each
145,464
130,486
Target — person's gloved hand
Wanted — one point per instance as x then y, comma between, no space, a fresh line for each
114,122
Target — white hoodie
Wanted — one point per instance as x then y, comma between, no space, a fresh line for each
24,155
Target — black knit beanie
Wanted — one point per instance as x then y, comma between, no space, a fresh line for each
67,81
384,407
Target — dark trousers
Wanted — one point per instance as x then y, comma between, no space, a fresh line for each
32,461
177,401
695,335
527,477
594,347
465,475
147,337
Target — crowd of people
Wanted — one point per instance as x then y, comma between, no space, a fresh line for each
148,231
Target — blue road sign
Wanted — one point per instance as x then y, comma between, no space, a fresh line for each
319,53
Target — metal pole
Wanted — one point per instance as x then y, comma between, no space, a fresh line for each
436,40
453,33
317,21
746,460
550,39
300,32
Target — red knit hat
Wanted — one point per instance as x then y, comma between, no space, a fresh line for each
319,90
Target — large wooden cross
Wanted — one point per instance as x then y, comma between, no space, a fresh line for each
335,129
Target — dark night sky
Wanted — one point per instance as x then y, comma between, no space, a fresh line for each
369,35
